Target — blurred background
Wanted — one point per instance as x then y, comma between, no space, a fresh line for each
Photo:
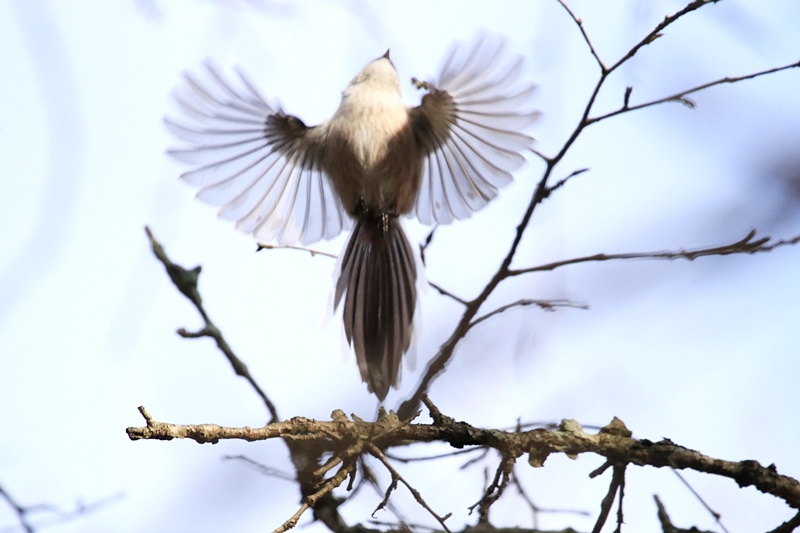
705,353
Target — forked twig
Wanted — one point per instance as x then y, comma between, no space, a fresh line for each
681,97
616,486
330,484
186,282
396,477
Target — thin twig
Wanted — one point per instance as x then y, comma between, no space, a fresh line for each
20,510
535,509
445,292
620,471
423,247
289,524
655,33
712,512
403,526
579,23
396,477
547,305
560,183
261,246
260,467
368,477
666,523
55,515
484,454
501,479
431,457
527,499
746,245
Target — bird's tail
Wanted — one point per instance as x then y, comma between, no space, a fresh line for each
378,282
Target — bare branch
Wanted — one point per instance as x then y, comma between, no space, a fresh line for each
423,247
711,511
262,246
431,457
444,292
18,509
378,454
681,97
527,499
547,305
747,245
260,467
186,282
616,485
666,523
655,33
560,183
55,514
495,490
579,23
535,509
330,484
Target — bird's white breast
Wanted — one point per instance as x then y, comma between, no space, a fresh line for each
370,115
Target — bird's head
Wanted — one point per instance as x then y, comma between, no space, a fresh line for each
378,76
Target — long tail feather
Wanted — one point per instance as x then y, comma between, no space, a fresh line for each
378,281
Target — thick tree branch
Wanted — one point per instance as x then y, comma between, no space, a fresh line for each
346,438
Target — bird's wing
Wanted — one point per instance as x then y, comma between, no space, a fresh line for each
260,165
470,128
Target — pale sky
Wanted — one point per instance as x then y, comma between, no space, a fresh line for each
706,353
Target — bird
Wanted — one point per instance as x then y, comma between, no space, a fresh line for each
375,160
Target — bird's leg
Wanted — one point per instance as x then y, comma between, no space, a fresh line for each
420,84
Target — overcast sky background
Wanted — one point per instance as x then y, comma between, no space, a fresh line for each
705,353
